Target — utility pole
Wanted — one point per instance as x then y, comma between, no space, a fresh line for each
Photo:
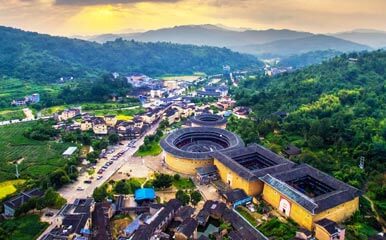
17,171
362,162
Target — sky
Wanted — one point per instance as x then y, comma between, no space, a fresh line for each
90,17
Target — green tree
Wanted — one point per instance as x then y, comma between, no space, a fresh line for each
195,197
162,181
113,138
121,187
100,193
183,197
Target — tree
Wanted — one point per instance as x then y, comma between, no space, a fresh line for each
183,197
195,197
100,193
122,187
177,177
162,181
51,199
113,138
58,178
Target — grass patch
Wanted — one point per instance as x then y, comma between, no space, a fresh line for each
23,228
183,183
247,215
278,230
154,149
39,157
9,187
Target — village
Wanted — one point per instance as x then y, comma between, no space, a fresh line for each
203,184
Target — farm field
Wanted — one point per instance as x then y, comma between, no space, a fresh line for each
119,109
11,114
188,78
9,187
12,88
35,158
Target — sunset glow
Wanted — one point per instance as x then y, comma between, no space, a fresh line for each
70,17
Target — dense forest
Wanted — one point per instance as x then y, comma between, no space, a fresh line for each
309,58
44,58
336,113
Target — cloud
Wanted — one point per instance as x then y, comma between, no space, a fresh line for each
104,2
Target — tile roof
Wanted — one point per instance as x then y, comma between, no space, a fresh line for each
232,158
23,197
340,191
188,226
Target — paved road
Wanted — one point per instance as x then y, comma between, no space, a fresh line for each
70,192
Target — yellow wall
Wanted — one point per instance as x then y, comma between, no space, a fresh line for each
321,233
251,188
183,165
340,212
304,217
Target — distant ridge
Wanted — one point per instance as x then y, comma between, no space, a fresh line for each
270,42
370,37
283,48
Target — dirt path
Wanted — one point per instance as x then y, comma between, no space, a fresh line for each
379,218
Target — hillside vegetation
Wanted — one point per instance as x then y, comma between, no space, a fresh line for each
44,58
337,115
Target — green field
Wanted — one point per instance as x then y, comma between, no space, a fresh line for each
183,183
11,88
22,228
10,114
9,187
188,78
154,150
120,109
36,158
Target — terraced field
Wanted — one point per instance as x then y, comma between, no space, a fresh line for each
35,158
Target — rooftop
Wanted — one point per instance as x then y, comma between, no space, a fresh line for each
253,161
199,142
315,190
208,119
69,151
144,194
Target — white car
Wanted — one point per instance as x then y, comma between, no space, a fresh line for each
251,207
80,189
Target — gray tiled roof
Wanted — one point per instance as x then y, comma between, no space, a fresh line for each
168,143
208,119
340,193
227,157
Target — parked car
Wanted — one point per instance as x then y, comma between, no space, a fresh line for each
99,177
87,181
80,189
251,207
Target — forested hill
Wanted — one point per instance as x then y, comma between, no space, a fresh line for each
40,57
337,114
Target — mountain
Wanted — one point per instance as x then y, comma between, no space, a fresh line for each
336,116
264,43
308,58
210,35
284,48
28,55
373,38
